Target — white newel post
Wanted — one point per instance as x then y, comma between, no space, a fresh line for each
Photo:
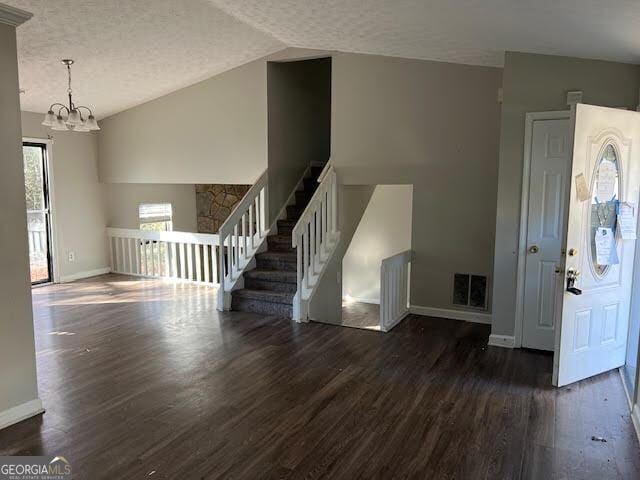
238,243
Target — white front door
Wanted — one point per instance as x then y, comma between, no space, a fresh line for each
593,329
550,163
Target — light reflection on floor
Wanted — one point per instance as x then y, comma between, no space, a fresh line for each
120,290
361,315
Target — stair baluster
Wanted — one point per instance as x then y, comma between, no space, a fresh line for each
315,236
237,247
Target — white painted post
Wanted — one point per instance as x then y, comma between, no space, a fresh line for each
207,265
198,253
189,260
174,262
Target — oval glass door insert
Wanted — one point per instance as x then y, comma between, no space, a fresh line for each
605,193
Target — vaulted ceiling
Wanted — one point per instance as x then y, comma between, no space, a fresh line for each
129,52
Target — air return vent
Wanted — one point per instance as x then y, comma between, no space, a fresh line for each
470,290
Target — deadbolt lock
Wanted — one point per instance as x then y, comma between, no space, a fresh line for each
559,270
534,249
573,252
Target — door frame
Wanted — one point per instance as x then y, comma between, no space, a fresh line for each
530,119
55,265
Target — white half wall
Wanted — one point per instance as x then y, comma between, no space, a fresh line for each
78,198
383,231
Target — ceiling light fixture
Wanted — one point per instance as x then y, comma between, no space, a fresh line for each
70,117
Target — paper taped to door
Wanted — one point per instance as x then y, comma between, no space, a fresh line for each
582,189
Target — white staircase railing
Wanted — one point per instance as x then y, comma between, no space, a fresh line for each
394,289
315,237
241,235
178,255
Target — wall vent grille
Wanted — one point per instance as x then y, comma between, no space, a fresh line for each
470,290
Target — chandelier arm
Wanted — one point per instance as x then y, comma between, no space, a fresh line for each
54,104
61,107
86,108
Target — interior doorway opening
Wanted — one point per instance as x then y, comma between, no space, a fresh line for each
376,265
38,203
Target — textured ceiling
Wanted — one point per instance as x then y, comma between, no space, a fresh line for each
127,52
131,51
461,31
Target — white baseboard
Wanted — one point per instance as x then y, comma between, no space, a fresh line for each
467,316
635,417
20,412
505,341
86,274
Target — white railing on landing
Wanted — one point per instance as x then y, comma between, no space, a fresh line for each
37,242
394,289
315,237
241,235
177,255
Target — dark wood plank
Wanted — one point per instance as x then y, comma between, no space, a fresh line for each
144,379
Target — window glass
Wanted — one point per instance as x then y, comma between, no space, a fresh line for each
605,193
155,216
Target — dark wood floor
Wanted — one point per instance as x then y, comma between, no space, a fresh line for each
146,380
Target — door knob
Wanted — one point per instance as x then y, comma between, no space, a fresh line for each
534,249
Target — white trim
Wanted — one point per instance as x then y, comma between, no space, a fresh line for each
531,117
504,341
13,16
467,316
165,236
47,140
626,389
634,410
635,418
85,274
20,412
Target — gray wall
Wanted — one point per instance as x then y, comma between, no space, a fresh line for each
299,123
78,198
17,353
536,83
212,132
123,200
436,126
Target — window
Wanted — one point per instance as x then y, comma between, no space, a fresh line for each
36,184
155,217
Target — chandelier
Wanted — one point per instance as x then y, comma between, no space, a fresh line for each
70,117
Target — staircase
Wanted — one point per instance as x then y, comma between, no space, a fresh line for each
270,287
